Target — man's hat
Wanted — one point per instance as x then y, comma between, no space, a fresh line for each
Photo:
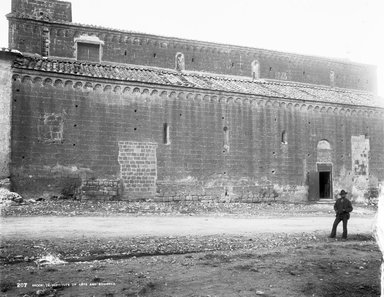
343,192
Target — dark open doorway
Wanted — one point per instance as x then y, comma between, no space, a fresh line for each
320,182
325,185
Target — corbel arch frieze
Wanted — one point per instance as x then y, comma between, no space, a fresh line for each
58,83
122,38
231,101
37,80
136,91
347,112
59,33
261,103
379,114
238,101
98,88
88,86
181,96
206,98
70,33
68,84
255,101
107,88
200,98
16,78
172,95
26,79
246,101
145,95
78,85
66,32
290,106
117,89
190,96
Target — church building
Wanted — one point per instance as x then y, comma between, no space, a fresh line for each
104,114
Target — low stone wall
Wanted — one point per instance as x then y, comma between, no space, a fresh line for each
100,189
246,194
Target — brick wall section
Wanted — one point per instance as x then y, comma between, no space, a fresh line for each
138,168
144,49
195,165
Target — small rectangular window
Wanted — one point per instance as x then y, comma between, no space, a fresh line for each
88,52
166,134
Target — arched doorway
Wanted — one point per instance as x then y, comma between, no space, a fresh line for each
324,168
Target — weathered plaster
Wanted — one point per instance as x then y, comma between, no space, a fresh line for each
5,116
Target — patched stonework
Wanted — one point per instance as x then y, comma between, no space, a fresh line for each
360,155
138,168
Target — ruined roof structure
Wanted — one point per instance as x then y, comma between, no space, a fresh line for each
111,114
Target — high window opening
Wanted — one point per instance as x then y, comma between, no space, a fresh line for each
255,69
88,52
284,137
226,139
89,48
166,139
179,62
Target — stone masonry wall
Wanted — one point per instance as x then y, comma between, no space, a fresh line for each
138,168
51,10
5,116
210,145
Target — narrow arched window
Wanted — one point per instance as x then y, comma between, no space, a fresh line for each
226,139
332,78
284,137
179,62
323,145
324,151
255,69
166,139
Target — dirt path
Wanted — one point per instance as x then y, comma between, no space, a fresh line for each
129,226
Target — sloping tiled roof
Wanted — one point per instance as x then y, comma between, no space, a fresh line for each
200,80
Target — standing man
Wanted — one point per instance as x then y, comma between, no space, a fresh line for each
342,208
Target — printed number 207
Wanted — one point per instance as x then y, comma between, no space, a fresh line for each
21,285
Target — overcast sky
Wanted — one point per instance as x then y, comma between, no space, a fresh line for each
347,29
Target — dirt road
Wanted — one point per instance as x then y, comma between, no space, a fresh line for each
188,256
127,226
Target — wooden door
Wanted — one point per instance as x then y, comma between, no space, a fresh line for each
313,184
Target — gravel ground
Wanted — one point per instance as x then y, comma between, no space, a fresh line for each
81,208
